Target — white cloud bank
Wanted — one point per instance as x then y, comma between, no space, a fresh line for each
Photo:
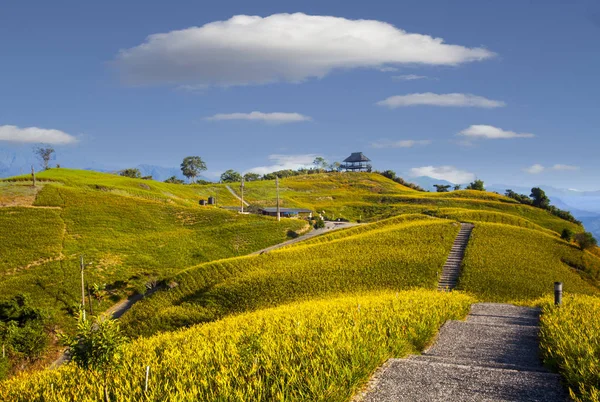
399,144
537,168
491,132
282,162
269,118
448,173
35,135
281,47
409,77
444,100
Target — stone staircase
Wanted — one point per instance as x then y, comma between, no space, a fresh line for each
492,356
451,269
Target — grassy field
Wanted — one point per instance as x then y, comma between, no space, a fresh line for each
130,239
570,342
322,350
397,254
509,264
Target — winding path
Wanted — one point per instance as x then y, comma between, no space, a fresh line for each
492,356
236,196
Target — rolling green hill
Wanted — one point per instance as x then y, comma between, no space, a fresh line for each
136,233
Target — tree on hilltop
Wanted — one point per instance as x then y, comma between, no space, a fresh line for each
457,187
230,176
539,198
476,185
44,154
174,180
131,172
585,240
320,163
442,188
192,166
250,176
335,167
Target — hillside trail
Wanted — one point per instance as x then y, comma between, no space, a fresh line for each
236,196
492,356
117,310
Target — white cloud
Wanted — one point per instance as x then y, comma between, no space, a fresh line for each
409,77
399,144
35,135
558,166
281,47
387,69
446,100
491,132
270,118
282,162
537,168
448,173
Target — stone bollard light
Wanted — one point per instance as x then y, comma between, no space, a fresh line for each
558,290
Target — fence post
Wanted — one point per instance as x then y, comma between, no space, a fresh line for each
558,290
147,375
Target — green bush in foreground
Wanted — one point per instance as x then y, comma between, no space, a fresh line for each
313,351
570,342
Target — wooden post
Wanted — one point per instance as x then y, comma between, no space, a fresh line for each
82,287
33,175
147,375
242,191
278,211
558,290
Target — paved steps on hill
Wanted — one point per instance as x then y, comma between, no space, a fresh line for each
451,270
492,356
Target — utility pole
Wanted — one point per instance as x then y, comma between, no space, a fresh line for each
82,287
33,175
278,211
242,191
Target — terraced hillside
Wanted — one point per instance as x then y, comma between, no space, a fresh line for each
328,302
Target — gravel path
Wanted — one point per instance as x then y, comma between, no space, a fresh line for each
492,356
236,196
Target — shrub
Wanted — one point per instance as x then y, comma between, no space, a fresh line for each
476,185
585,240
131,173
319,223
567,234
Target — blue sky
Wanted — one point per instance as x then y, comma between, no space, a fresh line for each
520,81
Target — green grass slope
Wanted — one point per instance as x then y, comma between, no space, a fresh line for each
509,264
395,255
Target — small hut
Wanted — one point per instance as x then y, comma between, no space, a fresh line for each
356,162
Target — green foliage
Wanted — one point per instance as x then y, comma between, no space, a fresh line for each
319,223
174,180
395,254
442,188
22,327
567,234
539,198
266,355
390,174
320,163
585,240
131,173
521,198
44,154
231,176
456,187
569,341
96,344
250,176
497,267
192,166
476,185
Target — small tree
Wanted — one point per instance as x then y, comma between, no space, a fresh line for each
96,346
442,188
457,187
192,166
476,185
231,176
44,154
250,176
320,163
585,240
390,174
539,198
131,172
567,234
335,167
174,180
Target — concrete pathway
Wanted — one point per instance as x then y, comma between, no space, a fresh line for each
451,269
236,196
329,226
492,356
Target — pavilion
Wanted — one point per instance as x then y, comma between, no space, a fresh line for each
356,162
